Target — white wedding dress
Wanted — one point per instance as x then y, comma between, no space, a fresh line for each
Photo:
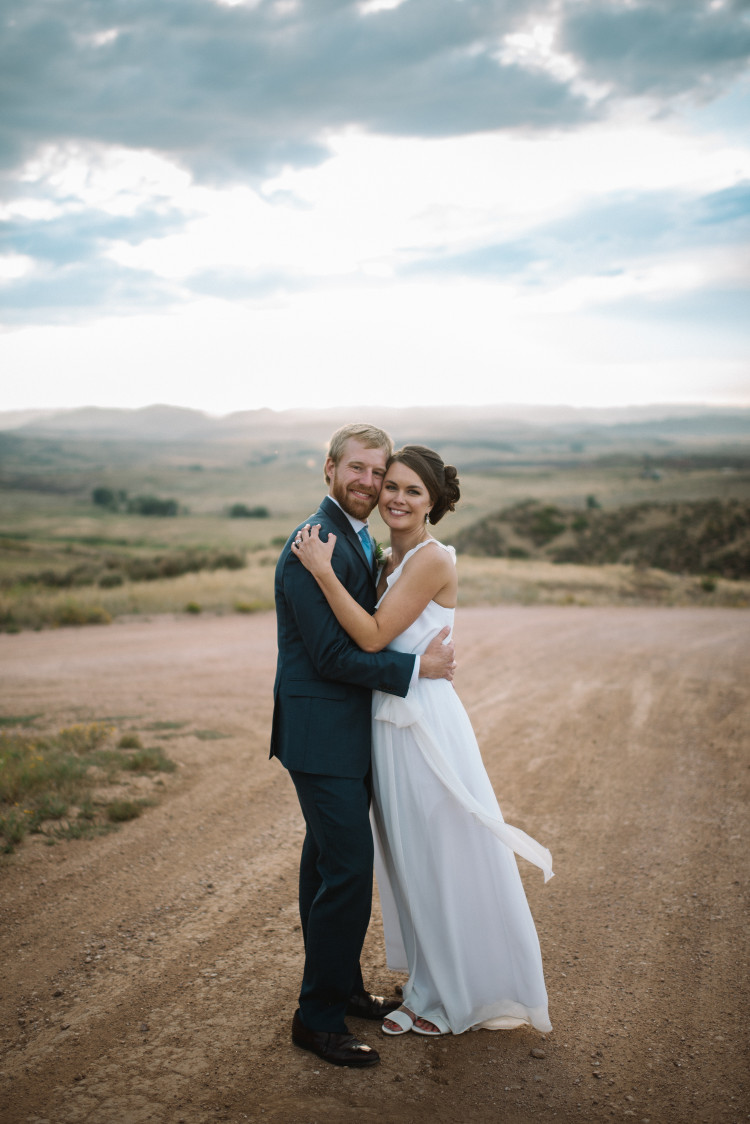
455,913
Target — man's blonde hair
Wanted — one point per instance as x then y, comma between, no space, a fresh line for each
368,435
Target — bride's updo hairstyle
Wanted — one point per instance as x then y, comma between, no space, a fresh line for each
440,480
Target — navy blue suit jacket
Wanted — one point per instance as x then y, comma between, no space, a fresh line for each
324,682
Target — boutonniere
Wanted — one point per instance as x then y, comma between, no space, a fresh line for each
379,554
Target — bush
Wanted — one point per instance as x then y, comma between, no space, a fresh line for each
193,607
110,581
44,779
109,498
150,761
71,613
13,828
104,497
122,810
130,741
545,525
242,511
152,505
229,560
84,737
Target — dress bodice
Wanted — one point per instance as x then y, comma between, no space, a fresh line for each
433,617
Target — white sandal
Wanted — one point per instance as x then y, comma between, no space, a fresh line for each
440,1027
402,1019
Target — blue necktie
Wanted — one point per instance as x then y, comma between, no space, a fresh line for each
364,538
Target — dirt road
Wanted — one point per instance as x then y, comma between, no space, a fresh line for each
151,975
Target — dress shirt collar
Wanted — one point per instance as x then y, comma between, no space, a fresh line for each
357,524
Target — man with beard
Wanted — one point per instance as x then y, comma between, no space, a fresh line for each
321,734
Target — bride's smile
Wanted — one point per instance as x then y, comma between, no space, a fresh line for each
404,501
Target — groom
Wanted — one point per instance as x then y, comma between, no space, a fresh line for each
321,734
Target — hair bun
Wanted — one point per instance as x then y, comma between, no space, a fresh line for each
441,480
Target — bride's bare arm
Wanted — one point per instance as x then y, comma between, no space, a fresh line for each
426,575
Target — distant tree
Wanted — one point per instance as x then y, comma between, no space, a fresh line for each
152,505
104,497
109,498
242,511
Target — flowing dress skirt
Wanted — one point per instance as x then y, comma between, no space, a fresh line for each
454,909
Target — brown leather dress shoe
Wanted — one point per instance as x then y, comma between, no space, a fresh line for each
338,1049
366,1006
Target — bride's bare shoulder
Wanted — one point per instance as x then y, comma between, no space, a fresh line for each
429,558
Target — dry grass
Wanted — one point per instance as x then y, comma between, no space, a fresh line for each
490,581
50,784
249,589
59,530
494,581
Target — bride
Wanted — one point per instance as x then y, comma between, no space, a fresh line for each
454,910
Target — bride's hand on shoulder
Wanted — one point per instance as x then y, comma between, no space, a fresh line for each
313,553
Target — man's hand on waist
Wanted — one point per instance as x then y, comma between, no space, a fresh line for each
437,661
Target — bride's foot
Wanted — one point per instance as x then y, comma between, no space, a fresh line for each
430,1029
402,1020
399,1022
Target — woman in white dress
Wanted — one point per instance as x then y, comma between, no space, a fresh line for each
455,913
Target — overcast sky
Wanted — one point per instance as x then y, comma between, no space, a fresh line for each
230,205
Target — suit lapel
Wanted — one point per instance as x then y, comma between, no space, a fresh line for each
336,515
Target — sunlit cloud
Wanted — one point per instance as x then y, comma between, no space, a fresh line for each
13,266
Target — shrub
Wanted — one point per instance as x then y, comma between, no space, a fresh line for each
104,497
44,779
83,737
50,807
130,741
150,761
86,811
13,828
545,525
228,560
109,498
110,581
242,511
142,570
152,505
119,811
71,613
193,607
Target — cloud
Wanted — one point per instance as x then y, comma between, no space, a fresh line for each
281,173
610,235
77,292
659,48
255,87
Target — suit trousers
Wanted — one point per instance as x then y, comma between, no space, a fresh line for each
335,894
